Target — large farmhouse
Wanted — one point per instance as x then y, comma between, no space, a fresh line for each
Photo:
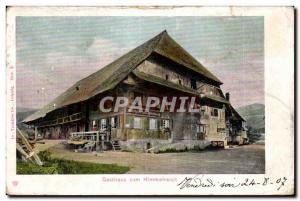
158,68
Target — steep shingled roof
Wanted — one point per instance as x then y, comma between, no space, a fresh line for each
112,74
236,115
170,49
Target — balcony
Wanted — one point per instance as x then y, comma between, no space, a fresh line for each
62,120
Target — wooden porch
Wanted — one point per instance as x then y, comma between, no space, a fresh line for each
92,140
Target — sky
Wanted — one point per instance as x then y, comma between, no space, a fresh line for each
55,52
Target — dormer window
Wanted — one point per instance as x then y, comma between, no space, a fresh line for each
77,88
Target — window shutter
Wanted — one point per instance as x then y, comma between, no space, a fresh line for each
130,121
145,123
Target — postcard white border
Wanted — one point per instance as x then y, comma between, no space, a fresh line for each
279,102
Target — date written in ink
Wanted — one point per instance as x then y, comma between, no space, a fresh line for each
201,181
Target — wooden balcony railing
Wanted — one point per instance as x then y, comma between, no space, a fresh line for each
90,135
62,120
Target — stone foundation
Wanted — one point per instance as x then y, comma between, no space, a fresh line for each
159,146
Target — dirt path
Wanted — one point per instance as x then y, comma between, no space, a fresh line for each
248,159
46,144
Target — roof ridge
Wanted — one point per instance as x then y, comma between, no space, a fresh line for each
194,64
156,39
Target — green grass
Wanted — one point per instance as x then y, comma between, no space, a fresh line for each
30,168
62,166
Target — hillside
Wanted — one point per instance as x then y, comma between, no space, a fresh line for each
254,114
22,113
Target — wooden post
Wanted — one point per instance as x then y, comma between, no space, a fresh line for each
97,141
87,116
107,135
102,142
97,136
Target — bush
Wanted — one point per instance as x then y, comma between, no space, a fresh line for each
45,155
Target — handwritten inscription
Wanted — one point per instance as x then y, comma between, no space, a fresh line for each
201,181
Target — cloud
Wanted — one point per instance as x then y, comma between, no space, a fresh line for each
38,85
104,51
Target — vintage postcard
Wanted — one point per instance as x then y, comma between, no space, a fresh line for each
178,100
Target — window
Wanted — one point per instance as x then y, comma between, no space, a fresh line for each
114,122
167,77
94,124
214,112
103,124
193,84
216,92
136,122
202,112
179,81
153,124
200,128
165,123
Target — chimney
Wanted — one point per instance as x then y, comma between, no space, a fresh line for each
227,95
